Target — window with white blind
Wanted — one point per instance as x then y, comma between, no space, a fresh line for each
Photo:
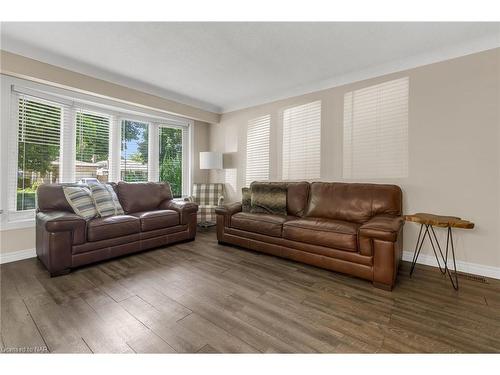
38,148
258,131
302,142
55,135
375,143
134,157
92,146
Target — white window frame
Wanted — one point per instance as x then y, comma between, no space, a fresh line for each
151,174
186,153
72,102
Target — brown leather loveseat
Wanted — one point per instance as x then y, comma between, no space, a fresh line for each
346,227
64,240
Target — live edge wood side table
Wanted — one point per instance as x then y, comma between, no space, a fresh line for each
429,221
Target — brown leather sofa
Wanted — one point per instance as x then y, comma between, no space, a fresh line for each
351,228
64,240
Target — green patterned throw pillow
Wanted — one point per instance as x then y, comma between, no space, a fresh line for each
268,198
80,200
246,199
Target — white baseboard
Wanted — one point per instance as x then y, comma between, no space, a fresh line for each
428,260
12,256
467,267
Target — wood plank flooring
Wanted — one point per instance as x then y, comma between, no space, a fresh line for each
203,297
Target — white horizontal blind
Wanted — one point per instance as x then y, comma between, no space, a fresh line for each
258,131
92,146
302,142
375,143
38,148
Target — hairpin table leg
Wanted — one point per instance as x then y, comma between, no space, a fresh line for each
449,238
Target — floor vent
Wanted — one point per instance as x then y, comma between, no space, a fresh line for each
470,277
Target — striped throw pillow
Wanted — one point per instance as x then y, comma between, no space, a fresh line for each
103,200
80,199
116,202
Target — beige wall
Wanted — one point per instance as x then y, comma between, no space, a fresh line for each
454,139
17,239
201,142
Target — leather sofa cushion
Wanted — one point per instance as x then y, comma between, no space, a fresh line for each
112,226
50,197
336,234
151,220
353,202
297,198
142,196
270,225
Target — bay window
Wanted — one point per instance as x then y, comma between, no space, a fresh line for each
50,137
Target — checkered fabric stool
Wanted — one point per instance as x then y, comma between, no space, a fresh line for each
208,196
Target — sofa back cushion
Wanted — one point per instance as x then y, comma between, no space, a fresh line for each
297,195
297,198
142,196
353,202
50,197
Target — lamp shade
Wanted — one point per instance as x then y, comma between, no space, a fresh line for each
210,160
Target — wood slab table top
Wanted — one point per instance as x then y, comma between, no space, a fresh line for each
439,221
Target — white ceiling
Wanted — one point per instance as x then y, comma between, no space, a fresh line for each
226,66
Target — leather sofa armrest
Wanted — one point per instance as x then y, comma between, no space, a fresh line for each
63,221
382,227
228,209
182,207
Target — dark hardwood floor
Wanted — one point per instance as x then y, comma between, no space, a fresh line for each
203,297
